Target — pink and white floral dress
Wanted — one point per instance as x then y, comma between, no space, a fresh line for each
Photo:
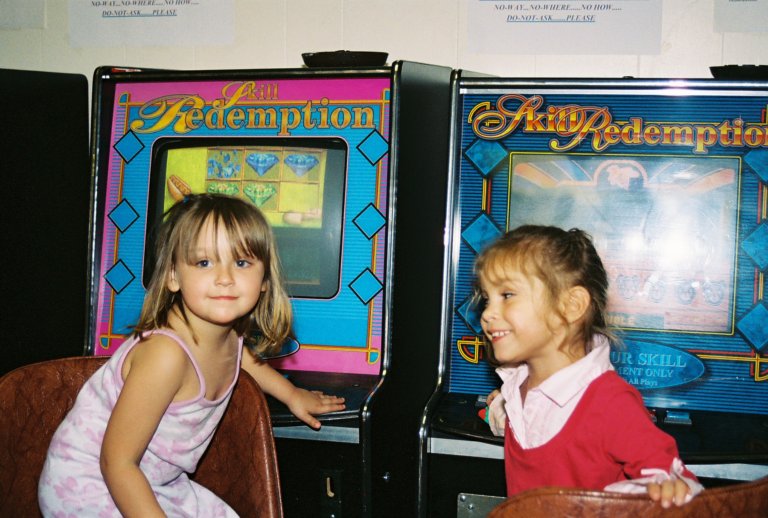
71,484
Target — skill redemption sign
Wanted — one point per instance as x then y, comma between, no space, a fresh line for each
311,151
670,178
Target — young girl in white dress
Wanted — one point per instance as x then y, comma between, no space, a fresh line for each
141,423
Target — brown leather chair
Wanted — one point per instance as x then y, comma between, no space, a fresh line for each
240,465
748,500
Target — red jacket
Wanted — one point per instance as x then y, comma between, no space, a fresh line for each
608,438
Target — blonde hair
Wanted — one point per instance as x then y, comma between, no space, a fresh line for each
269,324
560,259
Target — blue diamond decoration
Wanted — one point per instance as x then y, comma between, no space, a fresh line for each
261,162
480,232
470,314
756,246
129,146
757,159
301,164
485,155
369,221
754,327
119,276
123,216
373,147
366,286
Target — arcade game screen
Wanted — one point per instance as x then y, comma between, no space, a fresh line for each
665,227
297,183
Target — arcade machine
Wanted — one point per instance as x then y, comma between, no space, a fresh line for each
44,220
670,177
349,164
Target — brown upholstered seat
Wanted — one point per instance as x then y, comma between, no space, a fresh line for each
240,465
748,500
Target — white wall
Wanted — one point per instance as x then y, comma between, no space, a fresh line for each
274,33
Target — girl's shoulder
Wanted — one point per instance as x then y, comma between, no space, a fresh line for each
159,350
609,392
611,382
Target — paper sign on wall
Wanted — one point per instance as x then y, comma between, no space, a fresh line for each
564,27
142,23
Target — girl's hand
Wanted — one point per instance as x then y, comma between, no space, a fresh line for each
669,492
302,403
495,413
489,399
306,404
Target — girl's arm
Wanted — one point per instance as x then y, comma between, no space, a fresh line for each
650,456
302,403
156,373
673,487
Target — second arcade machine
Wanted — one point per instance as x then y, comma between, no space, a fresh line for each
349,164
670,178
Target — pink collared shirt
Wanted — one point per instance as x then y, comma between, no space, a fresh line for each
548,406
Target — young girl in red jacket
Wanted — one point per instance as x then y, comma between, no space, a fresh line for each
568,419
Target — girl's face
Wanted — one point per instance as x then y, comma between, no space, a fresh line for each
217,288
518,319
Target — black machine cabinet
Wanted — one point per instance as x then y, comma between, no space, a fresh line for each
44,144
364,461
349,164
670,178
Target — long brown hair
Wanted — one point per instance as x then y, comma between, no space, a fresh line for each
269,324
